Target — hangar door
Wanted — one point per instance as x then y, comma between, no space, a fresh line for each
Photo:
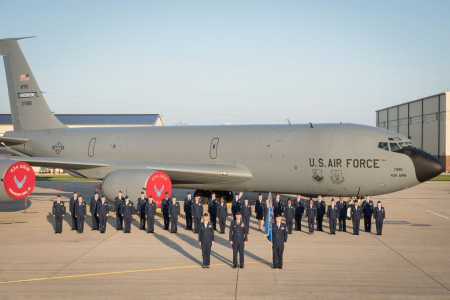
213,148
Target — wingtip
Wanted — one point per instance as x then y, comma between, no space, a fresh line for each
16,39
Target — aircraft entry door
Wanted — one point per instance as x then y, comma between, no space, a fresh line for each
213,148
91,147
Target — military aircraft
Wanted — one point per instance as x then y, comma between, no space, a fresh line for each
311,159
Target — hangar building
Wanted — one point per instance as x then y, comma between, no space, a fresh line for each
425,121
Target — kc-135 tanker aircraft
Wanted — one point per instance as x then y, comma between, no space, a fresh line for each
311,159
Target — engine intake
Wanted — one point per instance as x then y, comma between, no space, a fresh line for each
132,182
18,180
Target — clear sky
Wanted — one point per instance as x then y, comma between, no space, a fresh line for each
309,61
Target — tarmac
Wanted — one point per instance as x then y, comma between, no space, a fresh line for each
411,260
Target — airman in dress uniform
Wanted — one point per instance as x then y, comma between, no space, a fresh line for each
299,210
279,240
58,212
236,205
320,204
206,239
93,210
80,213
212,210
188,211
278,206
289,213
165,203
150,212
311,213
367,210
246,213
222,213
127,210
332,215
141,202
174,212
102,213
118,201
259,211
72,202
197,213
379,214
238,239
342,214
356,217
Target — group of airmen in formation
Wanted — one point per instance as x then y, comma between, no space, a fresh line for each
205,223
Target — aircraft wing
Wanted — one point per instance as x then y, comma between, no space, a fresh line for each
180,173
60,163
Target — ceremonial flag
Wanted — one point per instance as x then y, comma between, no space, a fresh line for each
269,220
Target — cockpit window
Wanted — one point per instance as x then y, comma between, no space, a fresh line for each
383,145
404,145
394,147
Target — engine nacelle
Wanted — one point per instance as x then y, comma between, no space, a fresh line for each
133,181
18,180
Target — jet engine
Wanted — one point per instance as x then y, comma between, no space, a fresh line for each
133,181
18,180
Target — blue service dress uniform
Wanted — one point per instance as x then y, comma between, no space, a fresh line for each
150,212
299,210
58,210
206,237
222,214
102,212
72,202
212,210
289,213
320,213
141,202
118,201
127,210
174,212
356,218
259,210
367,210
93,211
197,213
165,203
238,236
80,214
379,214
278,207
235,207
246,212
279,237
188,212
332,215
311,213
342,215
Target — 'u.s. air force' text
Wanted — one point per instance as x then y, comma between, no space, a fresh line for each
349,163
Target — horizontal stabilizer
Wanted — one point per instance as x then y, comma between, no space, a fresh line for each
11,141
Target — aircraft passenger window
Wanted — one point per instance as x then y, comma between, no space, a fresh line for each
406,145
383,145
394,146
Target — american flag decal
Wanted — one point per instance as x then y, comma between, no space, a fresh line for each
24,77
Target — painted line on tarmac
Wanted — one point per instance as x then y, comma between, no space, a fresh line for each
126,272
438,214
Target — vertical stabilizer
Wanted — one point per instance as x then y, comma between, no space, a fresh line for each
29,110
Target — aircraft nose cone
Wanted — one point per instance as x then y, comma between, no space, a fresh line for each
426,165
